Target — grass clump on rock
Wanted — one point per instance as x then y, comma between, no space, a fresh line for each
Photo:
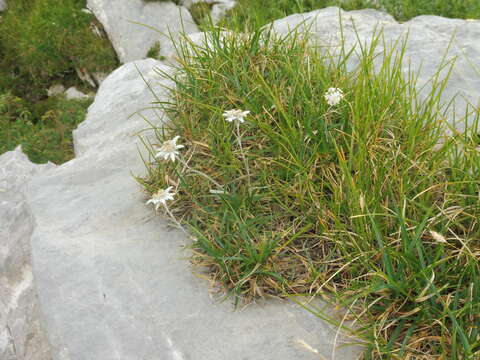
296,176
154,52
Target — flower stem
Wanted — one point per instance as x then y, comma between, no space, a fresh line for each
202,174
172,217
245,161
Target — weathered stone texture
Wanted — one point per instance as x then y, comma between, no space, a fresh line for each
134,26
21,333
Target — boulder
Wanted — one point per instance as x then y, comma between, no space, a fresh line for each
21,331
3,5
73,93
55,90
430,41
112,275
134,26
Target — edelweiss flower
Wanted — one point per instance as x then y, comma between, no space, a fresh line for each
333,96
169,149
235,115
161,197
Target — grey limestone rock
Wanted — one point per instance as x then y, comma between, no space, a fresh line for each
55,90
130,24
21,333
72,93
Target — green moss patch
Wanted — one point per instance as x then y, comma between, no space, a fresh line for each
43,130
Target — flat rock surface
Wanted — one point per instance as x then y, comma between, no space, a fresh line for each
21,332
112,278
431,42
134,26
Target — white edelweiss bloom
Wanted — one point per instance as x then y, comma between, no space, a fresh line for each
169,149
333,96
161,197
236,115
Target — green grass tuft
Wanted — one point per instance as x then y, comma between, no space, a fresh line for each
44,39
366,203
200,13
154,52
44,130
43,42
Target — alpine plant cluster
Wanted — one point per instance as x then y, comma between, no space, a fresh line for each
169,150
